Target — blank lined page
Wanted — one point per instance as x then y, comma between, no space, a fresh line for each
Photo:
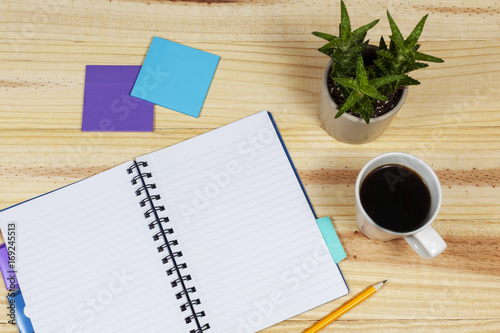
247,233
86,261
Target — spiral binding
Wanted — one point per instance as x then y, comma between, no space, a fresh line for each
176,268
138,177
200,329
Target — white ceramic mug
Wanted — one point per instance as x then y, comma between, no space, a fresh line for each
424,240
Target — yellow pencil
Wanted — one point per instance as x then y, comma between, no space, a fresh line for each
344,308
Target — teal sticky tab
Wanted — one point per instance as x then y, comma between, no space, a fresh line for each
331,239
175,76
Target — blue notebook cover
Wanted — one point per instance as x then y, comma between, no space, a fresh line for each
298,179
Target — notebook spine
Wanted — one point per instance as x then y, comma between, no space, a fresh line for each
163,234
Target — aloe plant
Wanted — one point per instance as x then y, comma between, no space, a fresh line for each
361,86
362,90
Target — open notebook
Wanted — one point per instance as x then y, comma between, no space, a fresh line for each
212,234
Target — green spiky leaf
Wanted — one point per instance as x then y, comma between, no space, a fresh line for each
350,101
397,43
385,54
345,23
326,51
361,75
419,65
408,81
366,118
392,46
412,39
364,29
366,106
380,81
325,36
397,37
382,46
426,57
371,91
349,83
330,46
382,67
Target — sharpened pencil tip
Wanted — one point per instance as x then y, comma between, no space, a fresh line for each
379,285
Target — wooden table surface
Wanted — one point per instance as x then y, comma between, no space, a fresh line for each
269,61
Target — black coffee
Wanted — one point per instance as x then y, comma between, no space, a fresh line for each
396,198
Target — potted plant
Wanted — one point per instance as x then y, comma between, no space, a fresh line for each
364,86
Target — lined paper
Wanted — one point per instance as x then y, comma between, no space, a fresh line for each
86,262
253,249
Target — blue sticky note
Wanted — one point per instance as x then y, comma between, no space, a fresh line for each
331,239
175,76
16,307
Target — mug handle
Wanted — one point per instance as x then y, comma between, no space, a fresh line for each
427,243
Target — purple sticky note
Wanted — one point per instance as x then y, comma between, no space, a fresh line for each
9,277
107,104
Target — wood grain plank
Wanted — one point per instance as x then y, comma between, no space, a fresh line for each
406,325
249,20
269,60
34,162
443,288
284,78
